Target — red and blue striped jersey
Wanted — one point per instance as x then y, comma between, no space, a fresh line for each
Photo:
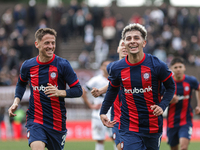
50,112
140,85
180,113
115,109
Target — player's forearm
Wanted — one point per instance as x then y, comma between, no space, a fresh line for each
103,90
198,97
169,93
75,91
111,94
16,101
20,89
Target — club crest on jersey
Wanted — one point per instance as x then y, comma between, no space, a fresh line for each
187,88
146,76
53,75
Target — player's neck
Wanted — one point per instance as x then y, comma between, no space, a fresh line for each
179,78
135,58
44,59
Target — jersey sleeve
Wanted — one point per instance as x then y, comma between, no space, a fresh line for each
69,75
163,72
113,79
194,84
24,73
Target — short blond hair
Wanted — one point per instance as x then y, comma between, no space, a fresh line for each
137,27
43,31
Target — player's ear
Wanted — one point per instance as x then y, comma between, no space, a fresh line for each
144,43
36,44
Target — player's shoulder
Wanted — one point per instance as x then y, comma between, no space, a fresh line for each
61,60
190,78
151,59
29,62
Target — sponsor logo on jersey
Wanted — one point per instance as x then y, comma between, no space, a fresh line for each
123,79
136,90
40,88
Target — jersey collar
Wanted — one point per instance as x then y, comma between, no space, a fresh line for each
179,80
42,63
135,64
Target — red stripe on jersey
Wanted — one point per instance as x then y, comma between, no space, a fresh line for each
167,77
38,115
71,85
171,114
113,85
159,94
22,79
55,103
117,111
120,104
132,110
171,111
148,96
185,103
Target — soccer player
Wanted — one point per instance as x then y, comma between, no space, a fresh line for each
98,129
139,75
115,110
179,119
47,74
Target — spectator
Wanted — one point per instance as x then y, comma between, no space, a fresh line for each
101,50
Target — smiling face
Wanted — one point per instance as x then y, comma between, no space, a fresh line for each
134,42
46,47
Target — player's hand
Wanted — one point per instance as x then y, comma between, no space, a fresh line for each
95,106
157,110
174,99
95,92
106,122
12,109
51,91
197,110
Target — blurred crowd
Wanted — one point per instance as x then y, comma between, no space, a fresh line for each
171,30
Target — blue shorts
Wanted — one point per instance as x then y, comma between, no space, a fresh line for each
174,134
139,141
115,131
53,139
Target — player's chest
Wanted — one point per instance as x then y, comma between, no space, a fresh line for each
138,75
182,88
44,74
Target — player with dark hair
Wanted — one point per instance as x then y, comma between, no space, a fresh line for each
47,74
139,75
179,118
115,110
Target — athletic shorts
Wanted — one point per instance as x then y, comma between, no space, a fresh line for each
99,131
115,131
53,139
174,134
139,141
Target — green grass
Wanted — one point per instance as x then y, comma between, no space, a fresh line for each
79,145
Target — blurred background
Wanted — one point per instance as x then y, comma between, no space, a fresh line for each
88,33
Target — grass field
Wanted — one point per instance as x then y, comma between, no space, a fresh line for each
79,145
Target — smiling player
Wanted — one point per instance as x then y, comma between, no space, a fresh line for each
47,74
